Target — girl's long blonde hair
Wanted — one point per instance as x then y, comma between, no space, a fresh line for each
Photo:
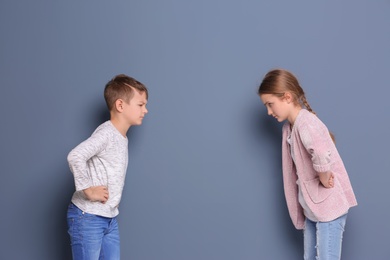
279,81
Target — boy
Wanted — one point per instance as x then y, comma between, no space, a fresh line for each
99,167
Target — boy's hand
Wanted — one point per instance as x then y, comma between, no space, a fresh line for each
97,193
327,179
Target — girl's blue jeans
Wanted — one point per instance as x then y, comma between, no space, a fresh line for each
323,240
92,237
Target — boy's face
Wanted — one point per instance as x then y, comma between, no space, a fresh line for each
135,110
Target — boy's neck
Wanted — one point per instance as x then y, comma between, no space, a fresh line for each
120,126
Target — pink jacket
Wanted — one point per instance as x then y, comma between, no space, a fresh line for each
314,152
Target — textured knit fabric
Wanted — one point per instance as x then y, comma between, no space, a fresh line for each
306,210
101,160
314,152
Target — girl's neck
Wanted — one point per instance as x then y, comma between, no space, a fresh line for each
293,115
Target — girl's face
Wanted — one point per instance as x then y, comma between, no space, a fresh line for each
278,107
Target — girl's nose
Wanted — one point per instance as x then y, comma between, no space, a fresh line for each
269,112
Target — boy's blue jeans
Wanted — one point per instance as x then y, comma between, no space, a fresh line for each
323,240
92,237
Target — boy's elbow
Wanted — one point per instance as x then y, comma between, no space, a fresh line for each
71,158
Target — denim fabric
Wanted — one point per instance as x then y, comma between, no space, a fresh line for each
92,237
323,240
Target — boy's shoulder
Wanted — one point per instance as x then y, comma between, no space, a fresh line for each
108,131
105,128
105,125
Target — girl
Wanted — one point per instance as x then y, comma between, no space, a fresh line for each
316,185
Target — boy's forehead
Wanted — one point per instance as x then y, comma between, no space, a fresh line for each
139,96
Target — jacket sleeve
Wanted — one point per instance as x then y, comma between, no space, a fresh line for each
79,156
316,139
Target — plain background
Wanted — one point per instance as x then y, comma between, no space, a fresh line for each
204,179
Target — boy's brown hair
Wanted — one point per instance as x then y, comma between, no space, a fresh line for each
121,87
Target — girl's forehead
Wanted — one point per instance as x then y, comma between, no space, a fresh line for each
267,98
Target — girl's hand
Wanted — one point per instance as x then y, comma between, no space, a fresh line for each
97,193
326,179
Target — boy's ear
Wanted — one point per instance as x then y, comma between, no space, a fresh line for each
119,105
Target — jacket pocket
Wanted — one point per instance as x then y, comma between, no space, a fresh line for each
316,191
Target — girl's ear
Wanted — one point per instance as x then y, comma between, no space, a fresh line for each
288,97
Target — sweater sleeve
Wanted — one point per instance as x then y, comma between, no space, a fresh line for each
79,156
318,143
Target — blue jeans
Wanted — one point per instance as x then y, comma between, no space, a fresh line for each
322,240
92,237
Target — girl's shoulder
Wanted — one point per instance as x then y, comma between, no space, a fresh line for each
305,116
307,119
304,120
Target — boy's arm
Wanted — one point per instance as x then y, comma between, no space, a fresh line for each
97,193
79,156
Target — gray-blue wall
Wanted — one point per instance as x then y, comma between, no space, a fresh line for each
204,180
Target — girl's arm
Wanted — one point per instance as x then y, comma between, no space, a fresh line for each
318,143
326,179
